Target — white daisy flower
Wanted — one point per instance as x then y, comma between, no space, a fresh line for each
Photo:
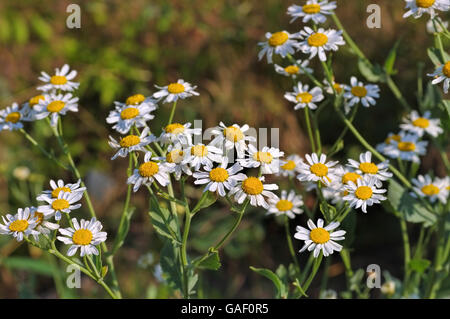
344,175
418,7
366,167
179,134
442,74
281,43
43,226
60,81
64,203
314,10
319,238
136,111
60,186
19,225
358,92
28,107
317,169
268,158
220,178
152,169
175,155
201,155
384,147
338,87
175,91
11,118
55,105
131,143
317,42
436,28
290,166
422,124
433,190
288,204
230,137
364,193
253,189
293,70
408,148
84,235
303,97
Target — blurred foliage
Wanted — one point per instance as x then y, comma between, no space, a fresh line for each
125,47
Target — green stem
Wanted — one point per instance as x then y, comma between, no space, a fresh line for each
187,226
290,245
172,113
313,273
308,126
406,254
235,226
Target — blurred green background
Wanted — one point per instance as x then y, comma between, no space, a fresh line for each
124,48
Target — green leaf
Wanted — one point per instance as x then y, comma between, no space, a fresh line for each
435,56
34,265
104,271
207,199
432,96
282,291
355,281
419,265
410,208
172,272
390,60
371,73
164,222
212,262
41,28
329,211
447,106
122,232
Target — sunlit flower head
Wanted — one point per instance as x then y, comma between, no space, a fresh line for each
43,225
60,186
366,167
200,155
317,169
85,235
338,87
281,43
421,124
304,97
319,238
55,105
221,178
130,143
320,41
19,225
409,148
12,117
175,155
174,91
417,8
64,203
254,189
358,92
178,133
290,165
364,193
442,74
344,175
314,10
268,158
384,147
61,80
293,70
287,204
152,169
431,189
232,137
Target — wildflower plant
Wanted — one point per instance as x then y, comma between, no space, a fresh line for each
162,161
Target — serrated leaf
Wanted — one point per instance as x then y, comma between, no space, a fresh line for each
282,291
172,272
419,265
164,222
409,207
207,199
122,232
212,262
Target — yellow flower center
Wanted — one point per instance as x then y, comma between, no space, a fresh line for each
233,134
18,225
175,156
359,91
278,38
263,157
350,176
55,106
311,8
289,166
304,97
446,69
391,138
13,117
56,191
292,69
319,169
58,80
82,237
368,168
319,235
337,87
406,146
317,39
129,113
421,122
135,99
199,150
363,192
60,204
284,205
175,88
252,186
430,190
35,100
218,174
174,128
130,140
425,3
39,218
148,169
